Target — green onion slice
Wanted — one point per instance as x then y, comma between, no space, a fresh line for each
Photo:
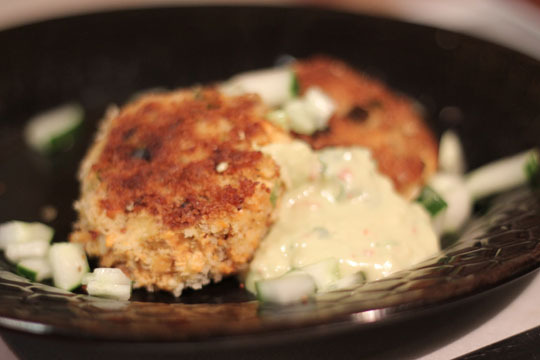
431,201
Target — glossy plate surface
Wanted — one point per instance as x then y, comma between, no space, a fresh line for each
487,93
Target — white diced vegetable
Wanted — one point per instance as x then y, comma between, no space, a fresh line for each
108,275
324,272
279,117
109,283
35,269
320,105
451,155
69,265
52,129
348,281
109,290
500,175
311,112
20,231
288,289
454,191
300,118
17,251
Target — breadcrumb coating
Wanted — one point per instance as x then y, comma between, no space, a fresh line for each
157,200
369,114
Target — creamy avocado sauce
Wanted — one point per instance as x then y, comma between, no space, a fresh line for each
338,206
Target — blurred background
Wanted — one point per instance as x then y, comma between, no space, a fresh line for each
513,23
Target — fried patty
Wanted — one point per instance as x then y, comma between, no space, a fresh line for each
369,114
173,190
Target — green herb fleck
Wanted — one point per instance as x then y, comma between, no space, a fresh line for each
321,232
324,167
532,170
295,85
362,277
274,195
431,201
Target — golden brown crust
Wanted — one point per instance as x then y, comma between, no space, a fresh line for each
368,114
174,191
161,156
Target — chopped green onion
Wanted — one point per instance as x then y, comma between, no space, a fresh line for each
458,199
274,195
295,85
532,169
431,201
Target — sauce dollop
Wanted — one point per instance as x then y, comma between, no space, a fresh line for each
339,206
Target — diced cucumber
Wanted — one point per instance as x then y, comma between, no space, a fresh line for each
300,119
320,105
453,189
324,272
300,283
17,251
348,281
108,283
109,290
431,201
288,289
107,275
273,85
35,269
451,155
500,175
311,112
20,231
69,265
54,129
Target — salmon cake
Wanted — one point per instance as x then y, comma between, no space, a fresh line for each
370,115
174,191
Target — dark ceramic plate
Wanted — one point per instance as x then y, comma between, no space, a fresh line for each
487,93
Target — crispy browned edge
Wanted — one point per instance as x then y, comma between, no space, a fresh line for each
371,115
